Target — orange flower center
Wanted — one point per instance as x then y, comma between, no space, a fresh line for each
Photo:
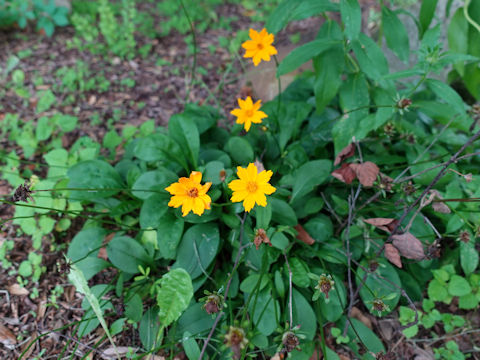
193,192
260,46
252,187
249,112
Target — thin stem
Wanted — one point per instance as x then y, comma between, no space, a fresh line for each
290,307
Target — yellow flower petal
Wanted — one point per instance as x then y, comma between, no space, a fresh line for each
176,201
187,206
252,172
190,194
242,173
264,176
261,199
237,185
268,189
249,203
239,196
198,206
196,176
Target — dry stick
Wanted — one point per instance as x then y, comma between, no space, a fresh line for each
330,209
289,290
351,205
227,288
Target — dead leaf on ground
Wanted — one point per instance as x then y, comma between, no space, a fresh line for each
346,152
392,254
303,235
30,345
366,172
385,224
18,290
7,338
357,314
110,352
102,254
259,165
409,246
345,174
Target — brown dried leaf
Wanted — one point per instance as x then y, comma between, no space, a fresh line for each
392,254
367,172
110,352
384,224
259,165
102,254
441,208
7,338
345,173
437,206
303,235
28,345
346,152
16,289
409,246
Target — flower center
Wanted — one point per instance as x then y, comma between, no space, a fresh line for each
260,46
249,113
252,187
193,192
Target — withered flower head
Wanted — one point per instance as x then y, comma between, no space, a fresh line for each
468,177
222,175
464,236
290,341
379,306
23,193
325,284
403,104
261,237
389,129
409,188
236,340
213,304
373,265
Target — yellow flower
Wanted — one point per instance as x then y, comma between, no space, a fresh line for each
259,47
190,194
248,112
251,187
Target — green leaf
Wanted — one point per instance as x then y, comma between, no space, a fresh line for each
351,17
395,34
458,286
282,213
93,174
427,11
134,308
367,336
446,93
86,243
45,101
292,115
309,8
190,346
370,57
280,16
198,249
320,228
263,215
127,254
44,128
468,257
174,295
66,122
240,150
156,181
354,99
299,272
303,315
212,172
78,280
308,176
184,131
149,327
302,54
468,302
60,19
169,234
195,320
265,312
152,211
279,240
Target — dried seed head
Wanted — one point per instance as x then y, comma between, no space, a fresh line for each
468,177
23,193
325,284
222,175
290,341
236,340
409,188
213,304
464,236
373,265
379,306
389,129
261,237
403,104
388,356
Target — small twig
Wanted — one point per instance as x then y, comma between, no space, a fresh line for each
330,209
427,220
227,288
290,307
7,294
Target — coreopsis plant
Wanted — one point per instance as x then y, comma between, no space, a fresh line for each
255,235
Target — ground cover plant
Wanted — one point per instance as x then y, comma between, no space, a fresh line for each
291,227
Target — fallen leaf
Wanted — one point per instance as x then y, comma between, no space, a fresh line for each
392,254
29,346
409,246
303,235
110,352
357,314
366,172
102,254
7,338
345,173
259,165
18,290
441,208
385,224
437,206
346,152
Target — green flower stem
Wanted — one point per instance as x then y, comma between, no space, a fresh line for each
467,16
